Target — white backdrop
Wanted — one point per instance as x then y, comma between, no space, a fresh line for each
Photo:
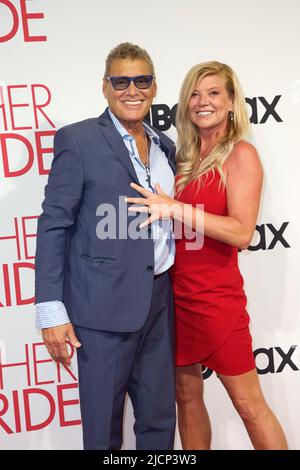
52,59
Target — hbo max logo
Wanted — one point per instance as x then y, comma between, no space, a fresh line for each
270,361
260,109
267,236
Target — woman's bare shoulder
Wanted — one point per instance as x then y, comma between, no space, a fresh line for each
243,154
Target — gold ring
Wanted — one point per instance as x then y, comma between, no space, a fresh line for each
149,210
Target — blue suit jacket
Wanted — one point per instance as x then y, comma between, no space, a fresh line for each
104,284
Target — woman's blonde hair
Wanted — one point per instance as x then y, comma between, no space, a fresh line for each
189,141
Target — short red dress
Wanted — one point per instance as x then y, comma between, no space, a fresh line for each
211,321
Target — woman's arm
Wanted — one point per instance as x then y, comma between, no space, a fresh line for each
244,177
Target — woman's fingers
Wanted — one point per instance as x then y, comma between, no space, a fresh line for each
139,209
141,190
149,221
136,200
159,191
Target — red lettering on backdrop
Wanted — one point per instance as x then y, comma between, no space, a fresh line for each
18,406
12,105
63,403
27,235
32,359
25,363
17,268
21,236
32,101
36,102
52,403
11,274
15,17
30,16
38,106
17,415
2,107
40,152
49,419
6,283
25,17
17,411
37,361
8,286
7,172
6,428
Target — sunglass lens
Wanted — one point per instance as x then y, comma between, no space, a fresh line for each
144,81
120,83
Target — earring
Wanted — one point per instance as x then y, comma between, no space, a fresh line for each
231,116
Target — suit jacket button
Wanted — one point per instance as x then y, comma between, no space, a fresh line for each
149,268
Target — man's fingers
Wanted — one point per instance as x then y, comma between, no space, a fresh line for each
58,351
72,337
55,341
58,355
53,351
63,355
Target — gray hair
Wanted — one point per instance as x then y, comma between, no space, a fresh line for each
127,50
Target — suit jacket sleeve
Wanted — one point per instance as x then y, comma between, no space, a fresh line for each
63,194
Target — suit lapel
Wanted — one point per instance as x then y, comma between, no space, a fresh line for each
116,143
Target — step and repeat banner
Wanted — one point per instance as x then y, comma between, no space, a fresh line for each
52,55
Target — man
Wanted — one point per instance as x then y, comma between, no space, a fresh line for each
108,291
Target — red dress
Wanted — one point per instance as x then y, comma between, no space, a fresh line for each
211,321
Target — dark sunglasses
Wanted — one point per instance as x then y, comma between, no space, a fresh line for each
122,83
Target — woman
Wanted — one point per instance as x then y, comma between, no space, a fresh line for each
220,170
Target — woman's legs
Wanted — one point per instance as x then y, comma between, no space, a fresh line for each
262,426
193,420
